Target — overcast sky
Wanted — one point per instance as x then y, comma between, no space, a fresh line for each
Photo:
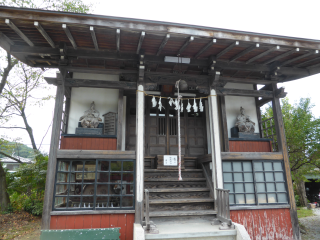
282,17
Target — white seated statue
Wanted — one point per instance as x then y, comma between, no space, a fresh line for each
244,123
91,118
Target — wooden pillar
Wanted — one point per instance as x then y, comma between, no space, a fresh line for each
120,120
215,141
282,145
67,113
54,145
224,124
258,111
139,153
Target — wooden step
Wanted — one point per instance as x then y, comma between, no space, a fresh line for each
182,213
179,195
181,200
190,206
171,179
174,185
178,190
185,170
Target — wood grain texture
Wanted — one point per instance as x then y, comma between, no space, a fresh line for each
250,146
123,221
83,143
266,224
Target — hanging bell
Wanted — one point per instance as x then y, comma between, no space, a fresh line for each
154,102
195,107
201,105
188,107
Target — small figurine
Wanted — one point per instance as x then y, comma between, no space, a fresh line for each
91,118
244,123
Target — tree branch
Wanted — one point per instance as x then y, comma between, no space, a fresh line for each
13,158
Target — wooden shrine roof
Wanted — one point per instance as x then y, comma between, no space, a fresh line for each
93,43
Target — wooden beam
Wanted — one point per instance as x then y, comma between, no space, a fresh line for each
83,154
44,34
244,92
120,120
69,35
244,52
164,42
263,54
205,48
263,101
246,80
279,93
251,156
227,49
224,124
296,58
215,78
189,40
140,42
118,39
73,82
306,62
282,145
258,111
282,55
94,38
17,30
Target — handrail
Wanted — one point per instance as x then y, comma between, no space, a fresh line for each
223,208
147,209
209,182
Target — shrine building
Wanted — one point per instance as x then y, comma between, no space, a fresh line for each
114,154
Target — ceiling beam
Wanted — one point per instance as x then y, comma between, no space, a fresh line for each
164,42
142,35
205,48
17,30
244,92
244,52
94,38
282,55
247,80
189,40
118,39
69,35
44,34
296,58
263,54
227,49
306,62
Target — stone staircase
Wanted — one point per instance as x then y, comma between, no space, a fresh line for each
170,197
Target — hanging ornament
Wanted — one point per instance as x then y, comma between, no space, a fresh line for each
188,107
176,103
170,101
181,106
154,102
195,107
200,105
160,105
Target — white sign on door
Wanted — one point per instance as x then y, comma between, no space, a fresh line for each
170,160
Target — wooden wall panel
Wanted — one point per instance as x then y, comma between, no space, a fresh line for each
83,143
266,224
123,221
250,146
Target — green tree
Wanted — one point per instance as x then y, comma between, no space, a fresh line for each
302,131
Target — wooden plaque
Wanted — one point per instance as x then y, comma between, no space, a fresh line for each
161,166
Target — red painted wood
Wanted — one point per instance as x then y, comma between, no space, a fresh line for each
78,222
88,143
130,221
70,222
122,223
61,222
114,220
87,221
267,224
249,146
96,221
53,222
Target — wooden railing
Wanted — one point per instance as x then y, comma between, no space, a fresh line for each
147,217
268,131
223,208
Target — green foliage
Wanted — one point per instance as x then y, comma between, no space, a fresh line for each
26,186
305,213
18,149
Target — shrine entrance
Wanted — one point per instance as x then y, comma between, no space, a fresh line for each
161,130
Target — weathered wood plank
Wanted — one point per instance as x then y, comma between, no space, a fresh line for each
148,180
182,213
120,119
224,124
179,190
184,46
18,31
44,34
169,201
251,156
244,92
69,35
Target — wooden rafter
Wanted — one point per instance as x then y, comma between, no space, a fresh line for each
296,58
282,56
17,30
164,42
44,34
94,38
69,35
190,39
306,62
205,48
244,52
118,39
263,54
143,34
227,49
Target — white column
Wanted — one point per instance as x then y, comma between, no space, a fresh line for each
139,154
215,141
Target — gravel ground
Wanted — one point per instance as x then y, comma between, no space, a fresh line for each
312,225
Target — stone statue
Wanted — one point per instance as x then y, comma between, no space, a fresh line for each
244,123
90,119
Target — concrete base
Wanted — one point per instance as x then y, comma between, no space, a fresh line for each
138,232
191,230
